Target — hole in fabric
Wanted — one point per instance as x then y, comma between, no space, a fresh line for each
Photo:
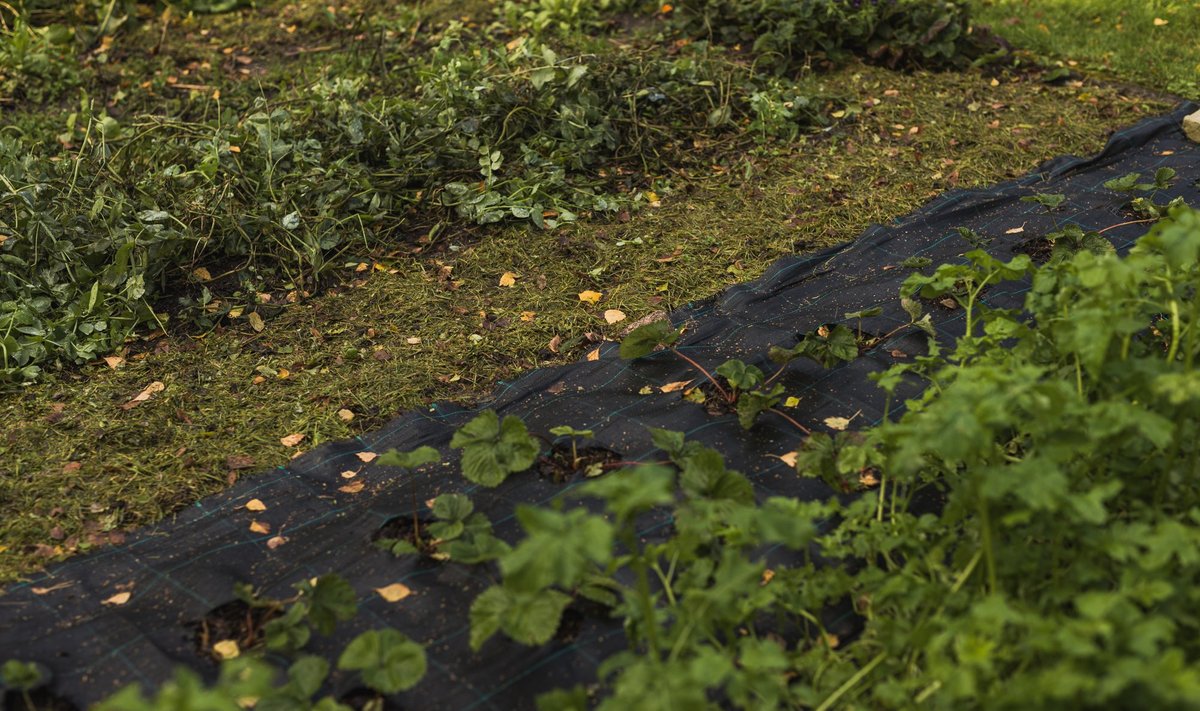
561,464
233,620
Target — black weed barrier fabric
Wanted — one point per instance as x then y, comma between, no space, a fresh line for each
184,568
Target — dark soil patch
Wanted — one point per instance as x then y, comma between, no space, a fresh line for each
41,700
868,341
1039,249
561,465
570,625
234,620
414,529
360,697
715,403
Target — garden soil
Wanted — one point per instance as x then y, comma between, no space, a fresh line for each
179,572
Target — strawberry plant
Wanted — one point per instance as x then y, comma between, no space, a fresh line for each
459,533
493,449
1128,183
1055,568
1050,202
385,660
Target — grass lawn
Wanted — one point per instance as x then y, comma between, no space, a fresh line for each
426,317
1152,43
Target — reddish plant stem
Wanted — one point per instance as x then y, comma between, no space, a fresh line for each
787,417
724,393
1126,224
622,464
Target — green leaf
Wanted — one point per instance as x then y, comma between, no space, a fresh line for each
409,460
558,548
740,375
1162,178
20,676
1047,201
573,699
388,661
289,632
704,475
631,491
330,600
486,615
865,313
644,339
1123,184
752,404
453,507
307,674
493,449
527,617
475,548
673,444
566,431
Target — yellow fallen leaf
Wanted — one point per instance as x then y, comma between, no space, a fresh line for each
345,415
362,267
283,373
260,527
235,313
1015,230
259,380
394,592
114,361
349,474
614,316
791,402
235,149
52,588
789,458
119,599
202,274
508,279
226,649
837,423
366,457
677,385
255,505
594,355
413,341
867,478
352,488
150,391
276,541
256,321
767,576
528,315
590,297
291,440
1159,22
